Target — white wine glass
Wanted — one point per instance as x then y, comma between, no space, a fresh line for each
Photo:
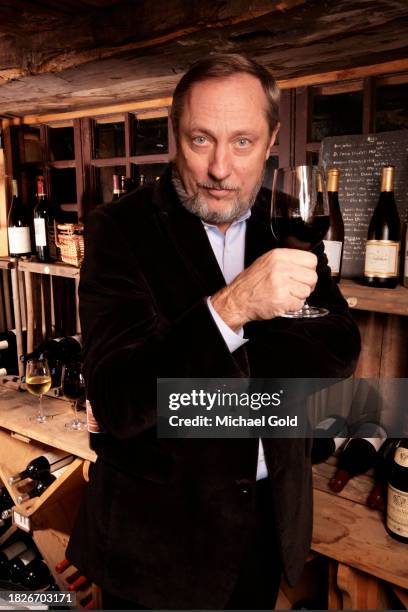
300,217
38,382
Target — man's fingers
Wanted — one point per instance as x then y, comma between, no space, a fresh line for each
299,290
305,276
300,258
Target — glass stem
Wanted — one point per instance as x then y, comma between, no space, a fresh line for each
75,407
41,413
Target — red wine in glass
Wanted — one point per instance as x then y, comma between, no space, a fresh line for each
300,216
73,387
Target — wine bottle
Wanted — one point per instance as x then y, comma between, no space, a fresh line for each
359,454
405,281
8,351
9,552
78,584
57,351
62,566
4,525
41,466
16,567
36,575
383,238
38,489
116,188
334,239
382,470
6,501
328,437
44,226
18,226
397,499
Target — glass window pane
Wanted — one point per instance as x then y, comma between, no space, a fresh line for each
61,143
150,172
63,185
271,164
337,115
109,139
105,182
151,136
392,108
32,145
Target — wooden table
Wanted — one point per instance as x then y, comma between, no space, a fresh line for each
16,408
354,538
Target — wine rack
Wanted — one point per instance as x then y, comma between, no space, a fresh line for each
50,517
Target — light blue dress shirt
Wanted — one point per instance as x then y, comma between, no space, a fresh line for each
229,250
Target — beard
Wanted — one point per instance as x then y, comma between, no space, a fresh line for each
198,205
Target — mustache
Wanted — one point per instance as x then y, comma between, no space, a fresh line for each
217,185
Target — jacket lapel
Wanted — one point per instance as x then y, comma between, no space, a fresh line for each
188,238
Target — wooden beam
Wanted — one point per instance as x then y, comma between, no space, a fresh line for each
400,65
160,103
90,112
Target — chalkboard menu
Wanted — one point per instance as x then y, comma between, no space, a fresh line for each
360,159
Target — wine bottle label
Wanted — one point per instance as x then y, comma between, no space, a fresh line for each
40,233
15,549
3,345
52,457
332,248
3,372
401,456
381,258
19,240
397,511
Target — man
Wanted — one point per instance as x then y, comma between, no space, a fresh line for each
183,279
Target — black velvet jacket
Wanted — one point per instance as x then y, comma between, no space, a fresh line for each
165,522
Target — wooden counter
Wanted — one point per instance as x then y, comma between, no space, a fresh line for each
16,408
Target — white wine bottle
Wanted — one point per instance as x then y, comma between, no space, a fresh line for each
18,226
334,239
384,237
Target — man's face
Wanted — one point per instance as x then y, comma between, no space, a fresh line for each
223,144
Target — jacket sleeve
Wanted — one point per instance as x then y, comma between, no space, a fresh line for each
128,343
324,347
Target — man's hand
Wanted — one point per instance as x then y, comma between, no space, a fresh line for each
276,282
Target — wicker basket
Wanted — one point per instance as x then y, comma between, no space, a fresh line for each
70,241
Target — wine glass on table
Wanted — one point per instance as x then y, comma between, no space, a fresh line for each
73,387
300,217
38,382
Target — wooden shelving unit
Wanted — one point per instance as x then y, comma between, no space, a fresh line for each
389,301
50,517
53,269
354,537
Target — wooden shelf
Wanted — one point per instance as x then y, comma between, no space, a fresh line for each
7,263
54,269
390,301
347,530
15,410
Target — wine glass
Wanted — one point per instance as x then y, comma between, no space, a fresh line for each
38,382
73,387
300,216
